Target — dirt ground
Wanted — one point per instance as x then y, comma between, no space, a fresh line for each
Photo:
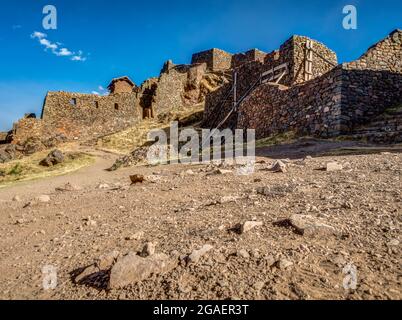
184,207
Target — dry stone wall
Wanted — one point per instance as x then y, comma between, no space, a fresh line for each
3,137
313,107
334,102
84,116
216,59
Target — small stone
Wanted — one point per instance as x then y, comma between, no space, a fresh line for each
136,236
248,225
196,255
347,205
17,199
270,260
278,166
284,264
137,178
333,166
106,261
148,250
228,199
87,271
103,186
219,172
68,187
339,261
243,253
259,285
20,221
307,225
393,243
43,198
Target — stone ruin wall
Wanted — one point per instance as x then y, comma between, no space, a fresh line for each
373,82
92,115
3,137
312,107
88,116
216,59
334,102
291,52
324,59
121,86
180,86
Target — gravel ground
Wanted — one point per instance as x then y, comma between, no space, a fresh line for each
181,208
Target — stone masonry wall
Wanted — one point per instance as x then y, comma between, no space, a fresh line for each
3,136
77,115
121,86
324,59
309,108
385,55
216,59
373,82
291,52
328,105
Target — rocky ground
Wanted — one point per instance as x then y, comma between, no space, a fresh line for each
298,233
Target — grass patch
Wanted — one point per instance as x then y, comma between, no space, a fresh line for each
277,139
128,140
392,110
28,168
352,151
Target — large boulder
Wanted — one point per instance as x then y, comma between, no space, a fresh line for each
53,158
7,153
132,268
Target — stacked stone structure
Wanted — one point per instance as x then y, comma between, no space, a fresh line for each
334,100
299,87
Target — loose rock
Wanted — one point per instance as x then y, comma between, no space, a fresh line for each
133,268
248,225
333,166
196,255
307,225
53,158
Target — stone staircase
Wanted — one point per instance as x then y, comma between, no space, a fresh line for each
384,129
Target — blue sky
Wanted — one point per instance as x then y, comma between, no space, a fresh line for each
134,38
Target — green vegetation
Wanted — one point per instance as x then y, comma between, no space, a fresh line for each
28,168
281,138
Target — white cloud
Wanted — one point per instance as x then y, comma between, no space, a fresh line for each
55,47
78,58
38,35
101,91
48,44
64,52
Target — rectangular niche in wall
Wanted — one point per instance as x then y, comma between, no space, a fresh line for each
73,102
116,106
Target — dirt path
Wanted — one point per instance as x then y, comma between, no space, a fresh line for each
87,176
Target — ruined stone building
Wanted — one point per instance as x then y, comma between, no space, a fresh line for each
299,87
